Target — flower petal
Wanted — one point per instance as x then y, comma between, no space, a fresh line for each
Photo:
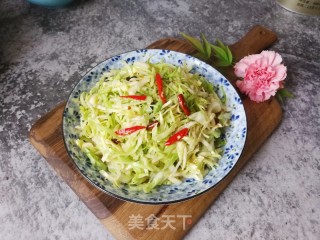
273,57
240,69
256,97
239,84
250,59
280,73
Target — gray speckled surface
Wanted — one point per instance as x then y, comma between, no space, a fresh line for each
44,52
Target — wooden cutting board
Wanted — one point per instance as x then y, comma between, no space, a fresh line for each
127,220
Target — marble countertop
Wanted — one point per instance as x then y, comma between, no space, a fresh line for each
44,52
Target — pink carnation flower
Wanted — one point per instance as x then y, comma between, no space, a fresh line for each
262,75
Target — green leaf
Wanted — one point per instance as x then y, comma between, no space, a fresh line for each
205,50
201,56
229,53
227,50
222,56
283,93
222,63
219,53
280,99
207,46
221,45
195,42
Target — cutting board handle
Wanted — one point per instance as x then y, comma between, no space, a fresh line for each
257,39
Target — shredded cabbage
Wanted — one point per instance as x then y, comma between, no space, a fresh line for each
141,160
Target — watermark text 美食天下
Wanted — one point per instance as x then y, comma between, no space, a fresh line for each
153,222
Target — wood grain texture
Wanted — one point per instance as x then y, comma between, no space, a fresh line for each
263,118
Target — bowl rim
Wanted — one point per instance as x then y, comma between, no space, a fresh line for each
142,201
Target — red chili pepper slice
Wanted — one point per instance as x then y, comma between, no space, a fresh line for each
183,105
136,97
150,126
127,131
159,83
177,136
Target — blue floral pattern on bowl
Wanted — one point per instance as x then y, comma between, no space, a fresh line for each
235,134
